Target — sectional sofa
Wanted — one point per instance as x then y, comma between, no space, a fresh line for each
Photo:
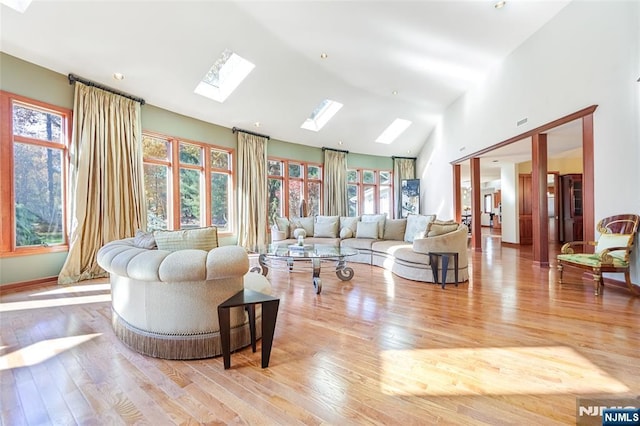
401,246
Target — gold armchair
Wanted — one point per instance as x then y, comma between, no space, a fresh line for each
611,252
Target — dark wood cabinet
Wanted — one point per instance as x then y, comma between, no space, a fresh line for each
571,223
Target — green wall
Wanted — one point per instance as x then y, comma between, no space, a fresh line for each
26,79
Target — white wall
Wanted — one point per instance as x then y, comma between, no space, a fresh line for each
588,54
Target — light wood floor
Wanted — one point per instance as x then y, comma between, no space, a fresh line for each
509,347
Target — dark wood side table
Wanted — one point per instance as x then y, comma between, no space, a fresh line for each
248,299
434,256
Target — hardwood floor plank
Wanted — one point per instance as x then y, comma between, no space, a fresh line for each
511,346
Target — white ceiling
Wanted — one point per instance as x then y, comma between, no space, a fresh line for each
430,52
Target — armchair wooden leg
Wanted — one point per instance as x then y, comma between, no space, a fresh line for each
632,288
597,282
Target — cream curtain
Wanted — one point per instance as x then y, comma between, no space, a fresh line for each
403,168
106,189
335,183
252,190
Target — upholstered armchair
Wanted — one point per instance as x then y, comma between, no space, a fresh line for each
611,252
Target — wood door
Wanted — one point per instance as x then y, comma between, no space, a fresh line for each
525,203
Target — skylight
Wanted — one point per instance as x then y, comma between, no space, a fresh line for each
224,76
393,131
17,5
321,115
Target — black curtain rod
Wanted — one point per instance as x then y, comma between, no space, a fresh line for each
393,157
235,129
73,78
324,148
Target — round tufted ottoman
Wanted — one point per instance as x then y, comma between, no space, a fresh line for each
164,303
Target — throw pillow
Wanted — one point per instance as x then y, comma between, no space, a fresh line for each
394,229
346,233
438,229
440,222
613,240
367,230
417,226
302,222
283,225
198,238
349,222
379,219
326,226
144,240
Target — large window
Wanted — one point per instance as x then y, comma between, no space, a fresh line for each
289,183
369,192
187,184
34,148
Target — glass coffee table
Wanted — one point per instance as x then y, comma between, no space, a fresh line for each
310,256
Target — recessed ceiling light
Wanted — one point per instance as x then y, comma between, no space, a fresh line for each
408,151
339,142
393,131
500,4
323,55
118,76
224,76
395,92
257,124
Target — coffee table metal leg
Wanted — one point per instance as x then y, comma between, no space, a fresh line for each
262,260
317,282
269,315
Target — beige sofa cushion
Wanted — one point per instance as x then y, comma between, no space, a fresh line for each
437,229
379,219
326,226
417,226
367,230
144,240
199,239
348,222
305,223
394,229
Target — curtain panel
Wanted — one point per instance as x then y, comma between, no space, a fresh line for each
252,190
403,168
335,183
106,189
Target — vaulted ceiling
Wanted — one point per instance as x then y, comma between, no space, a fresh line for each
384,59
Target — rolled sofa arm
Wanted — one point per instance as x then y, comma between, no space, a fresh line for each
455,241
277,235
227,261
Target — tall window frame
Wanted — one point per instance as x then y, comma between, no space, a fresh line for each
370,191
289,182
186,160
56,185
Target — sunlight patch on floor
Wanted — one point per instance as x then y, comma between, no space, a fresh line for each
492,371
42,351
50,303
74,289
